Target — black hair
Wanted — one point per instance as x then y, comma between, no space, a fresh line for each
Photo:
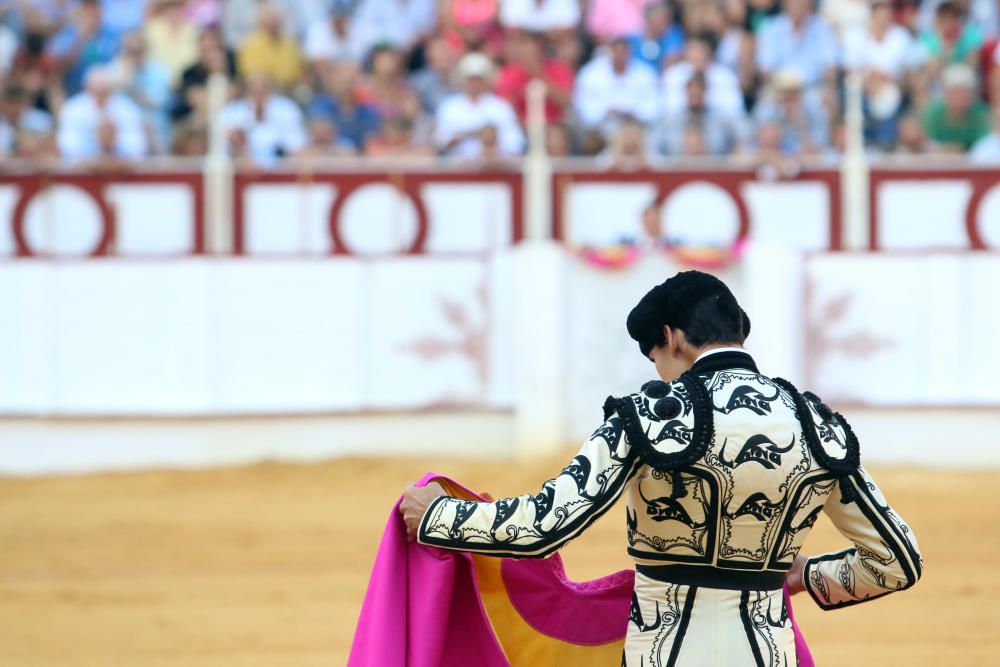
715,320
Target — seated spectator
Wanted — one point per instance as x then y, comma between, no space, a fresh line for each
612,86
717,132
82,44
147,83
325,141
272,125
402,24
101,121
239,17
172,38
608,19
887,57
911,138
952,38
190,139
556,19
386,84
395,139
958,119
543,16
660,41
627,150
531,62
270,51
803,120
124,16
461,117
888,51
558,141
35,69
433,82
800,40
18,118
332,40
340,103
213,58
987,149
769,155
472,25
723,94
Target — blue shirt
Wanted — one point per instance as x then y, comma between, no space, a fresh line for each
100,49
654,52
352,124
810,52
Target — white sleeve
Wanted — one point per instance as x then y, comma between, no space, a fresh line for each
885,557
533,526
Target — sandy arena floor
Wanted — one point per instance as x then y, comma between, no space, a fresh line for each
267,566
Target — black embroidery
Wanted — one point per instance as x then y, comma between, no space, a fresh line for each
759,507
691,387
505,508
843,467
666,508
757,449
635,616
747,396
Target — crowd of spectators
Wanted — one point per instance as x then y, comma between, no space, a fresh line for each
109,83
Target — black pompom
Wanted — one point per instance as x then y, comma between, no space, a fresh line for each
656,389
667,408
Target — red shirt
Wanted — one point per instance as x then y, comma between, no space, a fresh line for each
513,80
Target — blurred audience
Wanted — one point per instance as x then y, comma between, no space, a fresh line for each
406,78
957,119
462,117
723,93
660,40
101,123
613,86
529,61
698,129
271,51
263,125
172,37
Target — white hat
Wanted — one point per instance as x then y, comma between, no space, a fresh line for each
474,64
958,76
787,80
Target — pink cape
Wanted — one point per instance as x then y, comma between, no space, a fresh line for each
425,608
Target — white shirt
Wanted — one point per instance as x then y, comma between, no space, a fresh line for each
322,43
723,93
398,22
80,118
459,114
986,150
539,16
895,55
281,127
8,47
600,91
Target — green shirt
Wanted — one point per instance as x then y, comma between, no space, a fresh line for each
965,130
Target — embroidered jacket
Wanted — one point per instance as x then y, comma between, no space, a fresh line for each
726,471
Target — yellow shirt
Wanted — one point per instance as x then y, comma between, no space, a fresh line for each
175,46
278,58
